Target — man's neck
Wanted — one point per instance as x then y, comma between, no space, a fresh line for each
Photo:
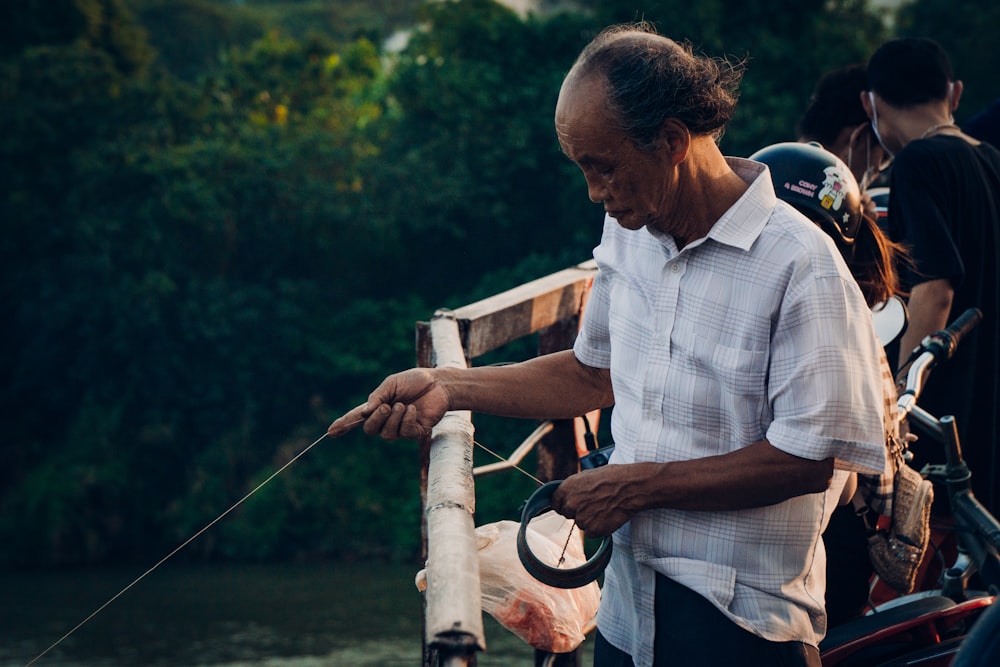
714,187
924,120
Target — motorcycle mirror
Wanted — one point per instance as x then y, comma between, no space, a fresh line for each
889,319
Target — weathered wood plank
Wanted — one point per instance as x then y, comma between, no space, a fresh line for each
523,310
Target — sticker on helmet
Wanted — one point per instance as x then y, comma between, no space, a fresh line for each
832,194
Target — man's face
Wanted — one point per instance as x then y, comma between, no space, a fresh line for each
633,185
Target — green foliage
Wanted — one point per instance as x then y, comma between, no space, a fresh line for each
970,45
105,26
74,506
191,36
472,175
188,258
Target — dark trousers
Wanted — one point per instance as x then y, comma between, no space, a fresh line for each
690,631
848,567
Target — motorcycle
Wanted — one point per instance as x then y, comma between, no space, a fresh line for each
930,627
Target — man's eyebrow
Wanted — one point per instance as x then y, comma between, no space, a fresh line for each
581,160
566,155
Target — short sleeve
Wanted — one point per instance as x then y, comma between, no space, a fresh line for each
826,388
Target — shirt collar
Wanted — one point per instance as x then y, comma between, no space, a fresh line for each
744,221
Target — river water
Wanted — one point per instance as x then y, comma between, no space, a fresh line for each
226,616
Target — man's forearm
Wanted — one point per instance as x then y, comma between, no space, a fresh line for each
553,386
928,308
603,499
754,476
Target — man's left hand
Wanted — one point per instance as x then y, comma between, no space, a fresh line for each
594,499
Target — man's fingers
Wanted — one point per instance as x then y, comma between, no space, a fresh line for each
348,421
391,410
376,420
411,428
391,427
558,503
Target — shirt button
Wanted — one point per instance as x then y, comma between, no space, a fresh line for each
675,267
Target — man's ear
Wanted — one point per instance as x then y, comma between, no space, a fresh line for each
866,102
675,139
956,94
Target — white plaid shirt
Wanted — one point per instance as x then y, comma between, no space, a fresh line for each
758,331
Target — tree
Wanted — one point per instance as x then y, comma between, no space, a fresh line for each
471,173
177,261
968,35
104,26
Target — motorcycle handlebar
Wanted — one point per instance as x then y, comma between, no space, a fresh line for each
938,346
983,531
942,344
973,512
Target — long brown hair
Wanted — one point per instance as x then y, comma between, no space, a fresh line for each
875,261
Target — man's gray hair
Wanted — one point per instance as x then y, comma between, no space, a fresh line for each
651,78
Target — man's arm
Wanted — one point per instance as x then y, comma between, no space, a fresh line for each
409,404
603,499
928,309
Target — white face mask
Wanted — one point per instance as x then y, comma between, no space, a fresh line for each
871,99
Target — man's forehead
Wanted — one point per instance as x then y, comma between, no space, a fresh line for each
584,125
580,95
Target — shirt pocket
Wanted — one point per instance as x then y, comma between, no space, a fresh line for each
727,388
738,371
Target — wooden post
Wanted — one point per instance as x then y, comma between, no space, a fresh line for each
550,305
453,619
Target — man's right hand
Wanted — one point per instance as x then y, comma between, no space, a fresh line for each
405,405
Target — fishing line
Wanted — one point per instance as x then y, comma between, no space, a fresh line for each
515,467
569,535
186,542
217,520
562,554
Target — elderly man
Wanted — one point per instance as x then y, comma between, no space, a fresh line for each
738,353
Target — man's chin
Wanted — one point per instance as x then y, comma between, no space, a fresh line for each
627,219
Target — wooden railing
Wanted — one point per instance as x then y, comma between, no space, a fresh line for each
551,307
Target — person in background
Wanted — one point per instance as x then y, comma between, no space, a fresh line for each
836,120
985,125
944,205
872,259
736,349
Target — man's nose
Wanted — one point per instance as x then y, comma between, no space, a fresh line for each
596,189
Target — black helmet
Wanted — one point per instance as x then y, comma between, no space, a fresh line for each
817,183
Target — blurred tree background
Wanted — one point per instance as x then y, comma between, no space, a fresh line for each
221,220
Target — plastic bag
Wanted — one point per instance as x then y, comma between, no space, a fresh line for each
547,618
